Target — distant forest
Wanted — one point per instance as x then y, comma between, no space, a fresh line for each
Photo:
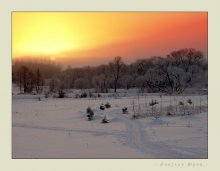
174,73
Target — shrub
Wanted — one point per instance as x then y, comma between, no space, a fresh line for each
153,102
181,103
61,93
125,110
102,107
189,101
90,113
169,114
105,120
83,95
107,105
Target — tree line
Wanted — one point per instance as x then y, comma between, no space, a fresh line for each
179,70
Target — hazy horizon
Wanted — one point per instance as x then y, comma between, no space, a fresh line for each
83,62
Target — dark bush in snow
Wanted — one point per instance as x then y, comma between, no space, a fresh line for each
107,105
153,102
169,114
90,117
125,110
181,103
102,107
90,113
83,95
189,101
61,93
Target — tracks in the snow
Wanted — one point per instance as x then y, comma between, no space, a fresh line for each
135,134
138,137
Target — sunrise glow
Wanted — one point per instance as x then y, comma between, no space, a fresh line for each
85,36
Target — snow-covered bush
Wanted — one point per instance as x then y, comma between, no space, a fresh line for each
105,120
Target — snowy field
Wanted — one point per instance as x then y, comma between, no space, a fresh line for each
59,128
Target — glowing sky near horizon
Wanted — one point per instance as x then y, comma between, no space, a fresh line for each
86,36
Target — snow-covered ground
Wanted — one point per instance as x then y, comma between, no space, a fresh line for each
59,128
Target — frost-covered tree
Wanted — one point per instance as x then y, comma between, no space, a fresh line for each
81,83
97,83
100,79
179,70
176,72
127,81
141,83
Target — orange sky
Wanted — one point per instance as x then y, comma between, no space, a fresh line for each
84,38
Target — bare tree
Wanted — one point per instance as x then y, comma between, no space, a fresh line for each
26,79
105,81
38,82
52,85
116,68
